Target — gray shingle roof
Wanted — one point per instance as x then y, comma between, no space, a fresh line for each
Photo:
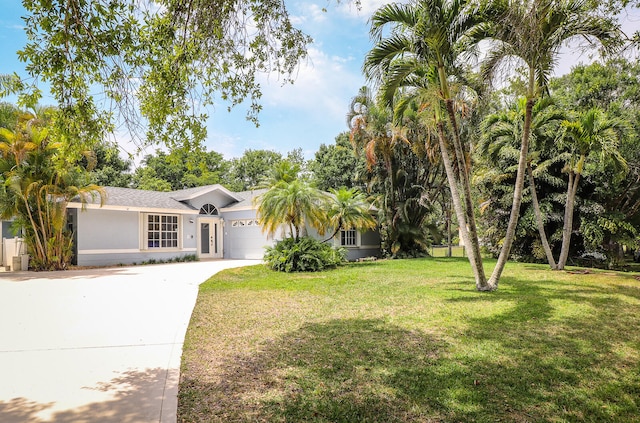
246,199
137,198
142,199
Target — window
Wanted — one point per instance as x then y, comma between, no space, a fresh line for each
209,209
348,238
162,231
244,223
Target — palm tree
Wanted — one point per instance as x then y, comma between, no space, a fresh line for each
533,33
284,171
502,133
591,133
38,184
295,204
426,43
348,209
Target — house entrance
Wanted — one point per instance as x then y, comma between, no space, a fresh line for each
210,237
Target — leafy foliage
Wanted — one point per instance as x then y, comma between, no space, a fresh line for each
336,165
181,169
402,175
162,61
39,181
107,167
303,255
248,170
295,204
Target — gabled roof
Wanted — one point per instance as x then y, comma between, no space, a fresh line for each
246,200
175,201
191,193
136,199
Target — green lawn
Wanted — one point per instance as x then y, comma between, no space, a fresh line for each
412,341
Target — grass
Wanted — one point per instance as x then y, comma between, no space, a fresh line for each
412,341
442,251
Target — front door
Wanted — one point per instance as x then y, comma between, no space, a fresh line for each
210,237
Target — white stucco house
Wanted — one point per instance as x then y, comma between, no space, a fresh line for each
133,226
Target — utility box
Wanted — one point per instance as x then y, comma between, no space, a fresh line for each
16,264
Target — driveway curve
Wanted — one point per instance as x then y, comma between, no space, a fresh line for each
97,345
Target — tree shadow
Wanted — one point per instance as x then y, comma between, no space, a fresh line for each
352,370
92,273
137,396
554,352
561,353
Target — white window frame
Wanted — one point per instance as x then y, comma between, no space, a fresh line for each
163,224
349,234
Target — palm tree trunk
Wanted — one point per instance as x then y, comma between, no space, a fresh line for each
567,227
540,221
448,231
517,196
478,271
474,243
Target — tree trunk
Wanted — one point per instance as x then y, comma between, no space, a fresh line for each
540,221
567,227
517,197
474,243
448,230
478,271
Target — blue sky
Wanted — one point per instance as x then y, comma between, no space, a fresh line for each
304,115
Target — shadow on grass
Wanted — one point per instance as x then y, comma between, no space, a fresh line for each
135,396
339,371
561,353
556,354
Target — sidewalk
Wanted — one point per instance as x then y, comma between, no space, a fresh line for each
99,345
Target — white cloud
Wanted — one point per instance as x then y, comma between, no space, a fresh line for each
323,85
308,13
225,144
366,9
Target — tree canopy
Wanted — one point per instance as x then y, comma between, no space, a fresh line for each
156,65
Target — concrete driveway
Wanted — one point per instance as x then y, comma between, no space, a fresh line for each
99,345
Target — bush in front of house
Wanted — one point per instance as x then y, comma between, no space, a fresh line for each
304,254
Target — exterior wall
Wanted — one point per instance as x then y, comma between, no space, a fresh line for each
244,242
111,237
368,243
368,246
355,253
370,238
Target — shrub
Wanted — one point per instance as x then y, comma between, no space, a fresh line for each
303,255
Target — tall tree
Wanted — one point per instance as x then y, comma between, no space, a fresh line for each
500,141
592,133
425,45
108,168
248,170
39,181
614,87
336,165
533,32
181,169
401,172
